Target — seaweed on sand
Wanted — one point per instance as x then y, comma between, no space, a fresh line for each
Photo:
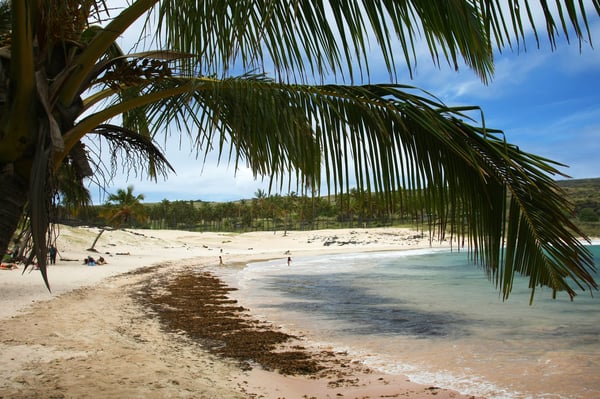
197,304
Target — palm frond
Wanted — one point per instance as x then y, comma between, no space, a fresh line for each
137,151
382,137
245,122
398,138
321,37
39,201
304,36
509,23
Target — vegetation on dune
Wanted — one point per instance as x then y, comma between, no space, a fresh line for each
65,83
266,212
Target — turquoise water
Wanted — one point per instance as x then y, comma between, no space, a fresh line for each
435,317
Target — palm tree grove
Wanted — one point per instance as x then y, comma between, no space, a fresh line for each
284,87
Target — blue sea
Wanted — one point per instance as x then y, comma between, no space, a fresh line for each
435,317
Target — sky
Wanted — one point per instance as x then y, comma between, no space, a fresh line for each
546,102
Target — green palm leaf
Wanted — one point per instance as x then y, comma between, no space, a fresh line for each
384,137
397,138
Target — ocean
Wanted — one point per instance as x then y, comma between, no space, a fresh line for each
435,317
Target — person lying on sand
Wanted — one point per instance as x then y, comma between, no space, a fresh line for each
93,262
8,266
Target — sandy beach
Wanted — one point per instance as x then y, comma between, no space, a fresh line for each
154,322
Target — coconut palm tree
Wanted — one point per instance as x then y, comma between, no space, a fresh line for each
125,207
63,79
122,208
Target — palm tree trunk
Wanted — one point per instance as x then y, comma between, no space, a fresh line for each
96,240
12,202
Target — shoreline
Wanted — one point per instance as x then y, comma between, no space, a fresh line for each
91,337
274,363
102,341
129,249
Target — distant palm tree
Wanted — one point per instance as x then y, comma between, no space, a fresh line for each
260,194
122,208
259,201
63,78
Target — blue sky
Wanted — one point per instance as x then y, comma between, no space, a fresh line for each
547,102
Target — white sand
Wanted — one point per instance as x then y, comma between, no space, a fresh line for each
88,337
126,250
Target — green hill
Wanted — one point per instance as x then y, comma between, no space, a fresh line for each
585,195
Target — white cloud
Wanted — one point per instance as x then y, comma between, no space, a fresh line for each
192,181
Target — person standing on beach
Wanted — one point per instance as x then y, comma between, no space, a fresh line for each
52,251
289,260
220,261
